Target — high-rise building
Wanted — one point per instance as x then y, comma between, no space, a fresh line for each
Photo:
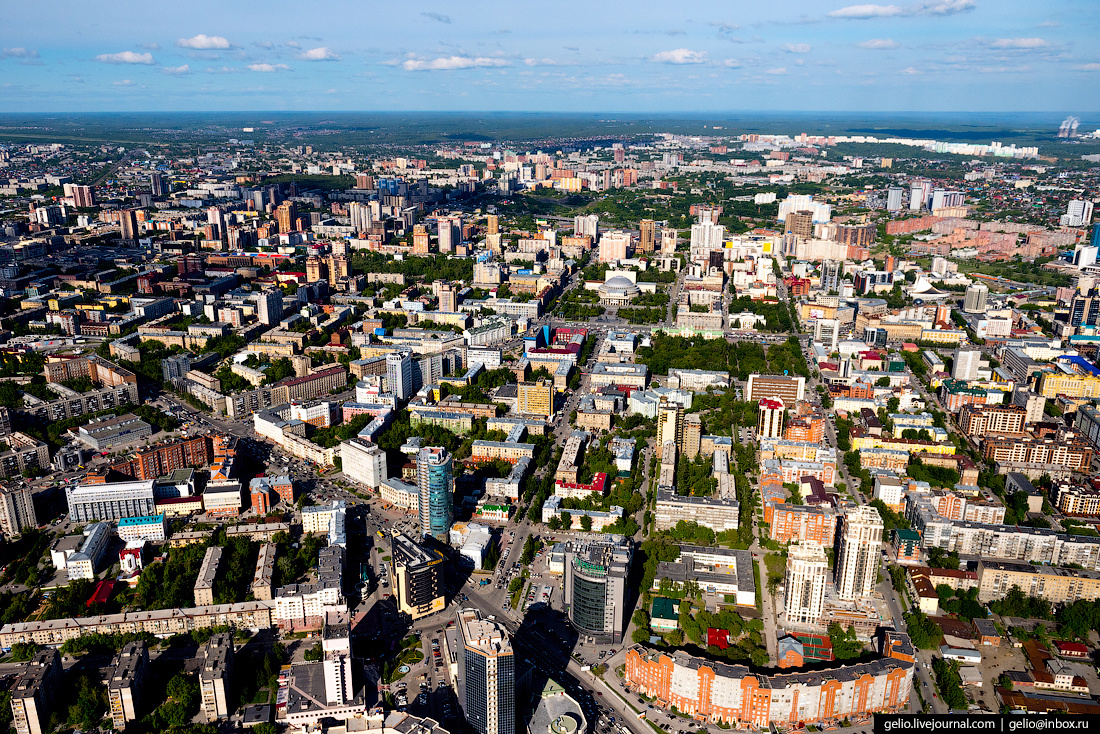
966,364
770,424
287,216
16,510
974,300
807,572
893,198
435,480
668,241
363,462
418,577
943,199
360,216
693,435
127,680
594,586
801,224
707,236
1078,213
448,298
647,235
857,562
269,307
158,184
421,240
216,676
316,269
536,398
487,674
83,196
670,423
128,225
492,224
450,233
399,375
588,224
34,692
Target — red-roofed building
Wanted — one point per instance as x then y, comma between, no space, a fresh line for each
102,592
1072,649
718,638
581,491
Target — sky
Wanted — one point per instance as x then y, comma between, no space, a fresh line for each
644,56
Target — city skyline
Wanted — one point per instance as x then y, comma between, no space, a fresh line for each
935,55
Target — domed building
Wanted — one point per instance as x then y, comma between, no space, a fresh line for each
618,291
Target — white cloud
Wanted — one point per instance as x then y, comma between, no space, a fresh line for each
912,71
878,44
944,7
732,63
796,48
450,63
1050,24
126,57
681,56
319,54
19,53
867,11
204,42
1088,67
177,70
124,83
936,7
267,68
778,71
540,62
1002,69
1026,44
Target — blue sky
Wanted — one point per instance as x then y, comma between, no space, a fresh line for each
642,56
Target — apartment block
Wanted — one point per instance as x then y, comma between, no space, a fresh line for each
208,572
1057,585
216,676
999,420
34,693
125,685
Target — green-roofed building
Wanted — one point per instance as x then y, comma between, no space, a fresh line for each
664,615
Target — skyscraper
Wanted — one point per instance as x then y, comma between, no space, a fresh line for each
857,562
158,184
801,223
587,225
770,424
399,375
435,480
594,587
966,363
492,224
974,300
287,216
417,577
269,307
807,571
360,215
16,510
83,196
670,423
487,674
450,233
1078,213
893,198
647,235
128,225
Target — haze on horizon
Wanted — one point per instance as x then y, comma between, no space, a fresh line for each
930,55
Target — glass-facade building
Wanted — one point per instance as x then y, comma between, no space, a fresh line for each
435,480
595,586
487,683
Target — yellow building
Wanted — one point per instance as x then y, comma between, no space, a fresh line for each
536,398
1052,384
1057,585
